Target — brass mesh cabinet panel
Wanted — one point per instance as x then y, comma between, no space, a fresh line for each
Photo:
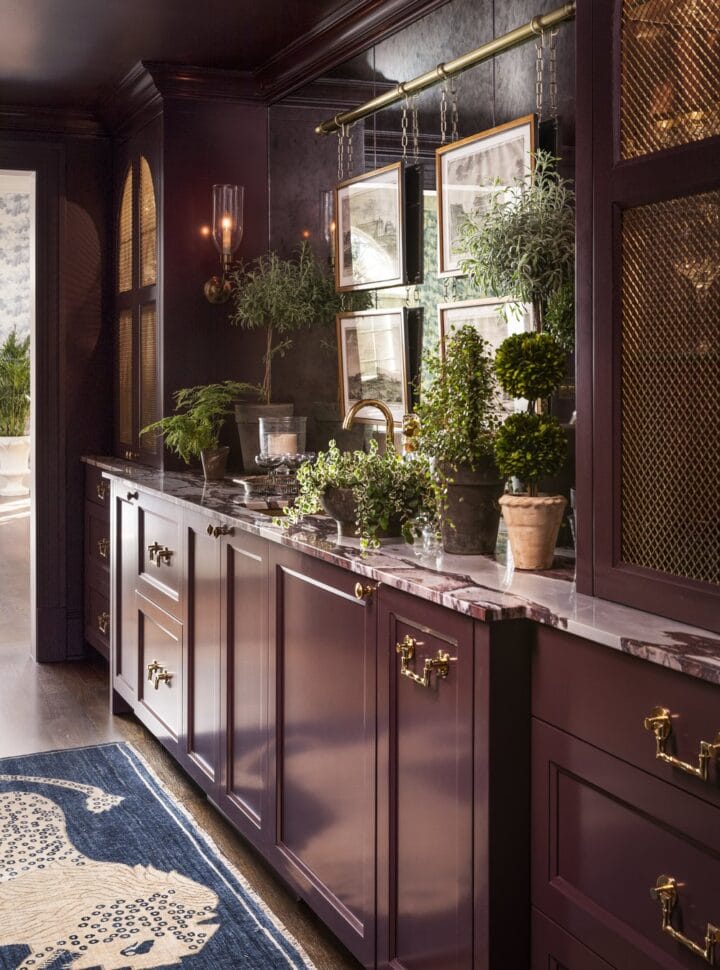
670,77
148,226
149,374
671,387
125,237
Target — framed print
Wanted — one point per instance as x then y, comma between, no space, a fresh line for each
494,319
378,241
377,358
470,171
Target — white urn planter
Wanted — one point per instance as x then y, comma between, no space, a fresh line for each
533,523
14,458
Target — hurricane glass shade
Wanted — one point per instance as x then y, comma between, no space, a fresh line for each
227,224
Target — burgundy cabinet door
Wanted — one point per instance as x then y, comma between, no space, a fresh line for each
553,949
200,748
324,641
159,702
243,794
425,793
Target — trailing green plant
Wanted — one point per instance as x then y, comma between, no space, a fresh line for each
522,244
199,415
458,407
283,296
387,488
530,365
530,446
14,385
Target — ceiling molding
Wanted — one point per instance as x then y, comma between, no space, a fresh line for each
353,28
334,94
51,121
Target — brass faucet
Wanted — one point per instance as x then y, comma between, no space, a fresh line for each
386,413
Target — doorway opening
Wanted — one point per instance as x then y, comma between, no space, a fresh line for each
17,329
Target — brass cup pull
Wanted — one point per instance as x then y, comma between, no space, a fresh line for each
152,669
162,677
103,623
103,547
101,490
665,891
440,665
363,592
659,721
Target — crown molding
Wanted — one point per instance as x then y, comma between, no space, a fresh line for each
50,121
354,27
335,94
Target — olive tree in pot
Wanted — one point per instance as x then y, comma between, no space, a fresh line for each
530,445
14,414
194,430
458,420
280,297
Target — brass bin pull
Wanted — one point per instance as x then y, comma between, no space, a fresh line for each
440,664
103,547
666,891
659,721
103,622
159,554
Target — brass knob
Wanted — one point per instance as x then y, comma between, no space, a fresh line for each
132,495
363,592
209,530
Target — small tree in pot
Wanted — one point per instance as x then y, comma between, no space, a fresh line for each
458,420
530,446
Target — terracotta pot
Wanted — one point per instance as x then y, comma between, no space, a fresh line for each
214,463
248,417
472,514
533,523
14,455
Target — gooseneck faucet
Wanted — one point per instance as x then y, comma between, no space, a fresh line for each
367,403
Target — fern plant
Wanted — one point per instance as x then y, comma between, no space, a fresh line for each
14,385
200,412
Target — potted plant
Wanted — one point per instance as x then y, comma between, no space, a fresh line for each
14,414
194,430
530,445
369,494
523,245
279,297
458,420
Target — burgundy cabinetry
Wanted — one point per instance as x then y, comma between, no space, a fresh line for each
609,818
323,709
553,949
97,560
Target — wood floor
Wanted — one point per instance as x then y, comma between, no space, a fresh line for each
49,706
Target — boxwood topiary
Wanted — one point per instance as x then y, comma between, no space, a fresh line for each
530,446
530,365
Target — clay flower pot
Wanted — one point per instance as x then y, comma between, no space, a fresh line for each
472,514
533,523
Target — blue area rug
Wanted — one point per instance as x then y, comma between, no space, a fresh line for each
100,869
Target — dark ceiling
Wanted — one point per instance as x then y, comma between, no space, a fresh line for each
72,53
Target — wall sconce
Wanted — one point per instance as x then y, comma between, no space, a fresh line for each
327,221
227,230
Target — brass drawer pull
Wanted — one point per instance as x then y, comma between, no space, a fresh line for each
159,554
659,721
363,592
101,490
152,668
103,623
103,547
158,674
666,891
439,664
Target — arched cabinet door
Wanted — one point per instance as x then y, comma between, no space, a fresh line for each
137,317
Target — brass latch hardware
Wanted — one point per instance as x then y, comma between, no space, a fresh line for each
103,622
223,530
162,677
666,891
152,669
659,721
363,592
103,547
159,554
439,664
101,490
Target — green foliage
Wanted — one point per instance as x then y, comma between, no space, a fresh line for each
14,385
387,487
523,243
283,296
458,408
530,446
560,316
200,412
530,365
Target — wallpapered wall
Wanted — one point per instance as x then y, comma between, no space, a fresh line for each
15,263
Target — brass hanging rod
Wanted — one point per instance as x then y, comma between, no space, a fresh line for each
497,46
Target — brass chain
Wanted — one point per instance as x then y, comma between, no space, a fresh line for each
539,73
443,113
350,161
553,74
404,127
415,130
455,118
341,153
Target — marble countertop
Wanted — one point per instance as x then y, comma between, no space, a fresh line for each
486,588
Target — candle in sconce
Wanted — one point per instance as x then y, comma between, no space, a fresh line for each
282,443
226,235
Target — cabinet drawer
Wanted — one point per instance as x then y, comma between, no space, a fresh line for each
603,832
97,619
97,488
97,537
159,553
553,949
160,671
607,695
